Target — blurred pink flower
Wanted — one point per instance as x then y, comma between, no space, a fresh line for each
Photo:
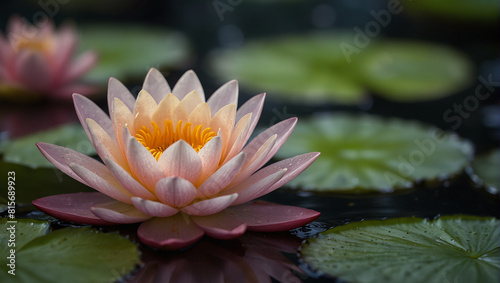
37,61
178,164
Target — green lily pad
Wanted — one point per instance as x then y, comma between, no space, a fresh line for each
310,68
486,171
24,151
363,154
449,249
335,68
411,71
131,50
69,255
471,10
25,231
31,184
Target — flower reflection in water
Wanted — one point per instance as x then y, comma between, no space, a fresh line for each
254,257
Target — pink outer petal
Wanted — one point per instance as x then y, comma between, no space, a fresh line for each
73,207
210,155
256,189
65,47
253,105
33,71
153,208
175,191
222,177
210,206
81,65
117,90
118,212
127,181
61,157
220,226
181,160
269,217
294,166
156,85
143,164
283,130
86,108
6,53
171,233
226,94
187,83
101,180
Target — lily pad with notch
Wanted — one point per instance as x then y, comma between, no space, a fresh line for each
457,248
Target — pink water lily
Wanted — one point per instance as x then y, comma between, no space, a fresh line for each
37,61
180,165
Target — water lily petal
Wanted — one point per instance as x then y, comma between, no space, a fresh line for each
253,105
220,226
210,206
61,157
6,53
173,232
222,177
118,212
65,46
143,109
237,140
153,208
283,130
226,94
143,164
81,65
156,85
256,189
201,115
175,191
294,166
190,101
85,109
223,121
181,160
121,117
186,84
73,207
210,155
117,90
127,181
104,144
103,181
33,70
257,161
169,108
270,217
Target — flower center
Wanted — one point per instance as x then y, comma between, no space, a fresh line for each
36,45
157,141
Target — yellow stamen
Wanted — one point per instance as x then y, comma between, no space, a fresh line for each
36,44
157,141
